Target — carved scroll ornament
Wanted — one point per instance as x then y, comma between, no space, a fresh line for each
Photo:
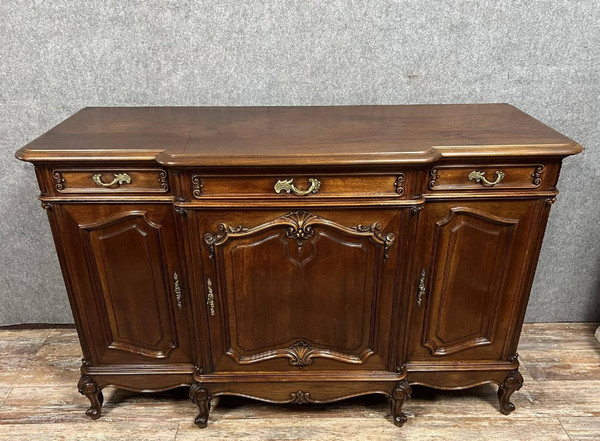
300,225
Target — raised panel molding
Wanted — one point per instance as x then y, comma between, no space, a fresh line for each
299,255
298,241
471,280
105,239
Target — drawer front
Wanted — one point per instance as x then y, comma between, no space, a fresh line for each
298,186
486,177
110,180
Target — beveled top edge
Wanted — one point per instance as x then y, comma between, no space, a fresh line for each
58,155
298,159
291,136
413,158
416,158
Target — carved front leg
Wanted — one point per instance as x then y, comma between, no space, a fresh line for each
200,398
90,389
400,394
513,382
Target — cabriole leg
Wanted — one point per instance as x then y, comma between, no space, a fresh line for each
400,394
512,383
200,398
88,387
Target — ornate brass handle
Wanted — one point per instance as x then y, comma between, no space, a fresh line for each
177,290
210,297
479,176
421,289
120,178
288,186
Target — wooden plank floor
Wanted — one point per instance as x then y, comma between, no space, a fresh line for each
559,401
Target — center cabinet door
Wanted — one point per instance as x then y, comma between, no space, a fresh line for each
291,289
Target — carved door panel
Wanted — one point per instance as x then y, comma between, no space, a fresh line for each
298,289
468,281
128,281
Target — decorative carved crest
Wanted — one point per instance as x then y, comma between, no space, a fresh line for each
300,226
162,179
300,397
301,354
197,186
221,236
537,176
399,184
433,177
59,181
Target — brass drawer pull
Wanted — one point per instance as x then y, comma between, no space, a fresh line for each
421,289
120,178
288,186
479,176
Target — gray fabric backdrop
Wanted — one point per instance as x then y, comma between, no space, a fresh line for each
57,56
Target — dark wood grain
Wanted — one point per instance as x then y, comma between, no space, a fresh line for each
395,269
297,135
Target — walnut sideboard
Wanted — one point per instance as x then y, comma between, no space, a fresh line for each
298,254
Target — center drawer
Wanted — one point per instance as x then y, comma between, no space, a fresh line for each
298,186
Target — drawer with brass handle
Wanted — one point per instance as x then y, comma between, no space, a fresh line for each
485,177
288,186
90,181
280,186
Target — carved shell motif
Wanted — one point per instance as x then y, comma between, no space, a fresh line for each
301,354
300,228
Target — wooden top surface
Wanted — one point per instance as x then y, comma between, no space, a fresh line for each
345,135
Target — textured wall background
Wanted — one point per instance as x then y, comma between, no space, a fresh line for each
58,56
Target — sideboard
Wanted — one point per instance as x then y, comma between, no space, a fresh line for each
298,254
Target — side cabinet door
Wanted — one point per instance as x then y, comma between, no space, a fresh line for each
288,290
126,280
469,279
